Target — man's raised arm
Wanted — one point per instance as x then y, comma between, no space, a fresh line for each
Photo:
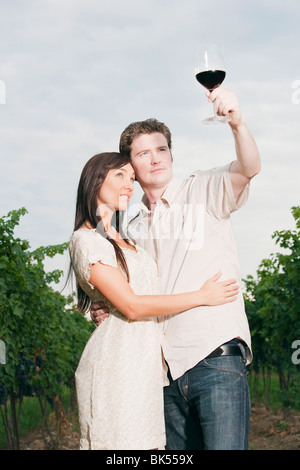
248,162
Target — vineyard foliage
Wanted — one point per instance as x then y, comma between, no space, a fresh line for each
273,309
43,335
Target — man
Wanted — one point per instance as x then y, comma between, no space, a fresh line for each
185,226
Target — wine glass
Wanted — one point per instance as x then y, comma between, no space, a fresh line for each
210,72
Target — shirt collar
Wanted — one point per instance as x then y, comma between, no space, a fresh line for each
168,195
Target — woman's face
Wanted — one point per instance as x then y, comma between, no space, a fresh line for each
117,188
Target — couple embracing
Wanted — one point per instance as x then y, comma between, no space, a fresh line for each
166,368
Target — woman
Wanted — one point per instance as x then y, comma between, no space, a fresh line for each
120,376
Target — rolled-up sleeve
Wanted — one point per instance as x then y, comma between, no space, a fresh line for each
216,185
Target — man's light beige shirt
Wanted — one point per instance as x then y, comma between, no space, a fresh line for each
189,234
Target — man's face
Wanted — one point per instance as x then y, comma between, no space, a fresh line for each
152,161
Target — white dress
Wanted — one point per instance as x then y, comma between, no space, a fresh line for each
120,376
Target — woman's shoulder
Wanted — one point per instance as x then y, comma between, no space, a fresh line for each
87,246
84,232
84,236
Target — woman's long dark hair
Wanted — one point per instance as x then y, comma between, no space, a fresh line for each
91,180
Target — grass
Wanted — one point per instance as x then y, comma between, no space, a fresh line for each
31,416
267,392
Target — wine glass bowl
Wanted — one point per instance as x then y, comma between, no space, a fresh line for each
210,73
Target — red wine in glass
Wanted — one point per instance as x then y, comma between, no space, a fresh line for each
210,72
211,79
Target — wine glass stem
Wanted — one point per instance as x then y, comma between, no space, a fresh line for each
214,105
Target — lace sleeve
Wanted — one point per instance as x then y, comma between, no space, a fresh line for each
86,248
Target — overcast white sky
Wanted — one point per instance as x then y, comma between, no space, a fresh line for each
77,72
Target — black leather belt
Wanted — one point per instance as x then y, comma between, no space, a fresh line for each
226,350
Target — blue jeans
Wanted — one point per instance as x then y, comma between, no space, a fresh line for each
209,407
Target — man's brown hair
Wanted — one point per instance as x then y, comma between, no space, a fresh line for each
149,126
